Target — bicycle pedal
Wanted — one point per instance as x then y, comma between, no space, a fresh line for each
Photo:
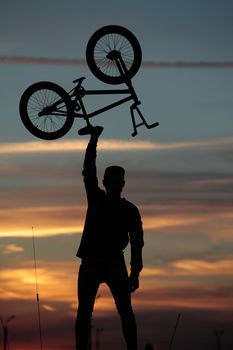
150,126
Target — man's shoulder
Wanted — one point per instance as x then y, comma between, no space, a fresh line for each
129,204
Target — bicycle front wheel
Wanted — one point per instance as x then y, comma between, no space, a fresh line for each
115,39
46,111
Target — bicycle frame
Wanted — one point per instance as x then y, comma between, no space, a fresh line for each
78,92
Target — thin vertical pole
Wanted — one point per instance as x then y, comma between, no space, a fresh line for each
174,332
5,338
37,293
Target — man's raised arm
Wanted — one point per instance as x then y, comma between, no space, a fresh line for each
89,166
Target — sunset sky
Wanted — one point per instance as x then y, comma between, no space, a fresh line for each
179,174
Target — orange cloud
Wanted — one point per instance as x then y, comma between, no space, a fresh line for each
47,221
57,282
72,146
180,285
11,249
178,299
55,220
193,267
107,145
211,221
48,308
169,220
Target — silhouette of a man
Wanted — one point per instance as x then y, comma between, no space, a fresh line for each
111,223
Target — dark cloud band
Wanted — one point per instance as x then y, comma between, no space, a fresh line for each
145,64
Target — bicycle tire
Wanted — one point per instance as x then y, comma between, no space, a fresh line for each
47,126
105,40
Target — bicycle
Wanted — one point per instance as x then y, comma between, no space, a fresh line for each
114,56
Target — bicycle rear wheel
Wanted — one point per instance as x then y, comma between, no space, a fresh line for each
46,111
115,39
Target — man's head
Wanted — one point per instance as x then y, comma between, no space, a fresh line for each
114,180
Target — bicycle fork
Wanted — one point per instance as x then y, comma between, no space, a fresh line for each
134,108
116,56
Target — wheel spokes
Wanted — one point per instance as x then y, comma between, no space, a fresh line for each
55,111
108,43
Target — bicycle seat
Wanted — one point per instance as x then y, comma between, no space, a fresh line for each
79,80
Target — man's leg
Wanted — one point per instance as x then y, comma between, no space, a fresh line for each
87,289
118,283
